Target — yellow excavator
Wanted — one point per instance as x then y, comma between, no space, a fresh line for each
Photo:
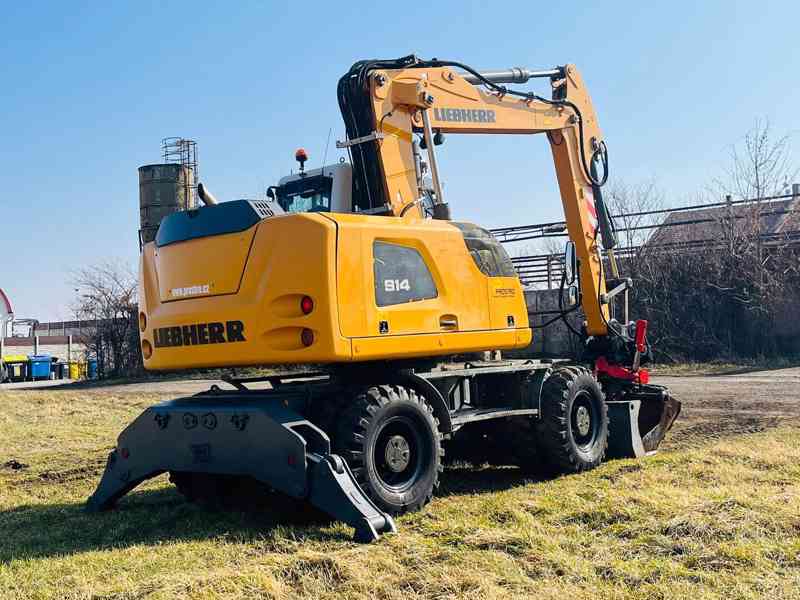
358,269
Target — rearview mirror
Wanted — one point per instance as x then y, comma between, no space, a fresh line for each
570,263
573,295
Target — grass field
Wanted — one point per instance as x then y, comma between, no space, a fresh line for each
696,521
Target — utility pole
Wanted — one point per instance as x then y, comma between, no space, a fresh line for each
729,202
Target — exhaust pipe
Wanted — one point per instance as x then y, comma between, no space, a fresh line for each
206,196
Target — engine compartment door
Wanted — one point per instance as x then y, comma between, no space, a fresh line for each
204,252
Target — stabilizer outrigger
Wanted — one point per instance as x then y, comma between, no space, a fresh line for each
250,433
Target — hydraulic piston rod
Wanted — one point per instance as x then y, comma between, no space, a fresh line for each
440,209
512,75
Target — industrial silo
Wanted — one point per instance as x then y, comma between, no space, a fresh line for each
163,190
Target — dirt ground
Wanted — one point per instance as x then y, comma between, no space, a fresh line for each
717,406
714,406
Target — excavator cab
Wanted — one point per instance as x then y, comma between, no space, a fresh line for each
328,189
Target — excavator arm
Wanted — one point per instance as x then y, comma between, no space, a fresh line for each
436,96
385,104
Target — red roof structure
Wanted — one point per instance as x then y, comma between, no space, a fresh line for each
5,303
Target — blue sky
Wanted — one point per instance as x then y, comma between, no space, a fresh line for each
89,90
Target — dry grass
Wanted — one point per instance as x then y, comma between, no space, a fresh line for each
717,521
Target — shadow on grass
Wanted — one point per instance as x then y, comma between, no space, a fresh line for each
457,481
156,516
148,517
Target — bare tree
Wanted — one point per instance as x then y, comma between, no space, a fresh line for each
727,296
628,202
760,165
107,296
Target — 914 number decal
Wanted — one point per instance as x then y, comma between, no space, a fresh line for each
396,285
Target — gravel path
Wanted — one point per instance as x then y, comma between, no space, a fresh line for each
723,405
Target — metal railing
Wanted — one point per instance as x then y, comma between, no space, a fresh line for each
545,270
64,328
542,269
522,233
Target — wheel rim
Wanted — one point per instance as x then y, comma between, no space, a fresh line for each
584,421
399,453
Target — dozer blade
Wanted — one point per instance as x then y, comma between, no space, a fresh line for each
239,434
640,420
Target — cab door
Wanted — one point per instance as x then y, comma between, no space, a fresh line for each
404,290
397,277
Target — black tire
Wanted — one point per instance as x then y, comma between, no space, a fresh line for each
391,441
519,436
572,434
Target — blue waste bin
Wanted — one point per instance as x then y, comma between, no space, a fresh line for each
39,366
91,368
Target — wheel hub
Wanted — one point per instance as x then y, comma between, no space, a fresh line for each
398,453
583,420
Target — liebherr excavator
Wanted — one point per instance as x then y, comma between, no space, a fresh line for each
359,268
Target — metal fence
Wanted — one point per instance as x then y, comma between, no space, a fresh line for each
64,328
545,270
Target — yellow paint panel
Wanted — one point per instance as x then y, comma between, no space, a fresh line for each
437,344
206,266
504,301
460,285
291,255
329,258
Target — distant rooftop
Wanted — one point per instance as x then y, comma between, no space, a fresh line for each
708,224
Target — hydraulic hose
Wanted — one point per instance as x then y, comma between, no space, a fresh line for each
355,105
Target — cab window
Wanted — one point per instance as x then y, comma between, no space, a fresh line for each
487,253
308,194
401,275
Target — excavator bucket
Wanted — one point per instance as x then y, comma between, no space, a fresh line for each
250,433
640,420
